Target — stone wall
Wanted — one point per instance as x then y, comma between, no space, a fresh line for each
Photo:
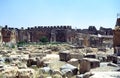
52,33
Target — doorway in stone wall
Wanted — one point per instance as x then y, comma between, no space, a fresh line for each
60,36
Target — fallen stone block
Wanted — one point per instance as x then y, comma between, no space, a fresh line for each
112,64
64,56
69,69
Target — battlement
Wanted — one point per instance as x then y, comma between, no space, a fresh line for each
50,27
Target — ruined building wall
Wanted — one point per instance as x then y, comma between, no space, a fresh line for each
6,33
54,33
37,33
23,35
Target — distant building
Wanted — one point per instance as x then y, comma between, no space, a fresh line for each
92,30
105,31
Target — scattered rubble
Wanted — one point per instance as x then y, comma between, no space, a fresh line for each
55,61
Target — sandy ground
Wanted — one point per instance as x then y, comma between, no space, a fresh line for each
53,60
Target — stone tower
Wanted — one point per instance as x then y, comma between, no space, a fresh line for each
116,38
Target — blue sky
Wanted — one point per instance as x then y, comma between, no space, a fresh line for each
77,13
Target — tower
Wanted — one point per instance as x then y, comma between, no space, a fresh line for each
116,36
118,20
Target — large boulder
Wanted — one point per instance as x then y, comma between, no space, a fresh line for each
93,62
37,62
31,62
84,66
87,63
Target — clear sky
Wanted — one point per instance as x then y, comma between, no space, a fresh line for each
77,13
